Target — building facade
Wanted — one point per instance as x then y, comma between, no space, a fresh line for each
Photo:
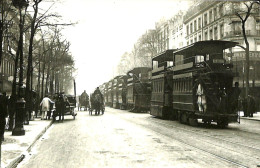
216,20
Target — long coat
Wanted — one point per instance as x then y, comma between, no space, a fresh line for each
46,104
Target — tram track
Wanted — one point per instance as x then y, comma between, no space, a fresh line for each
205,151
227,158
229,141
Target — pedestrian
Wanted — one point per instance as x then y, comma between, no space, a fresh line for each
60,107
3,115
45,106
251,105
235,97
244,105
11,110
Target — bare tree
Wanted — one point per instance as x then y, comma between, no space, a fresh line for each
243,14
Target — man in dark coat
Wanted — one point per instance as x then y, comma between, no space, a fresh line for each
235,96
251,105
11,110
60,107
3,115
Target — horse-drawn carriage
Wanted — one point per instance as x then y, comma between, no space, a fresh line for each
64,105
97,103
83,101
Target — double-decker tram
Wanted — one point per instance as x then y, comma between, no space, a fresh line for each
110,94
202,80
122,83
105,93
119,92
161,96
138,89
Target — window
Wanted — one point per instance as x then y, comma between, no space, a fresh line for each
210,16
195,39
215,13
258,26
199,23
199,58
205,19
195,25
221,31
187,29
191,28
221,10
178,59
210,34
206,35
199,37
169,63
237,27
215,33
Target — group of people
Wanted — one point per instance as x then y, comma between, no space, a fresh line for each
8,108
247,104
47,107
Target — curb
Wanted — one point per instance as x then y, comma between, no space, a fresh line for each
254,119
16,161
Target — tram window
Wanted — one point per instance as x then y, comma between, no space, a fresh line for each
169,63
155,64
207,57
178,59
199,58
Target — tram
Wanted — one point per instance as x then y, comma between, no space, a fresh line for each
200,79
138,89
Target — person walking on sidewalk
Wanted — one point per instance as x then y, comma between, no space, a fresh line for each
45,106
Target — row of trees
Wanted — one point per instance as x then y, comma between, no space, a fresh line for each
44,53
142,53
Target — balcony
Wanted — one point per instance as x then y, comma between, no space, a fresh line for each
237,33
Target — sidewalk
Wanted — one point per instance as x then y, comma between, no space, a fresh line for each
13,147
256,116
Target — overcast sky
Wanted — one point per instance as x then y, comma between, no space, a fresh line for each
105,30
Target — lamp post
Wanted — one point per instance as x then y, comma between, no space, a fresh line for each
20,104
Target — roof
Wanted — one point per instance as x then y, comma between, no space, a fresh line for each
139,69
164,56
206,46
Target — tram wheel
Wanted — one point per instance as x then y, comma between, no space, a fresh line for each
184,118
222,124
207,122
193,121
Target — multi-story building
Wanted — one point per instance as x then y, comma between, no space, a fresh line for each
216,20
162,28
176,31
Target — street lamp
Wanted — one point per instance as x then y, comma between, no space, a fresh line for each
20,104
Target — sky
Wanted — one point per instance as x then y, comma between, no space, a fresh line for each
105,30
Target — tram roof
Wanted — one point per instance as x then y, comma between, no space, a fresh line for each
139,69
206,46
164,56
